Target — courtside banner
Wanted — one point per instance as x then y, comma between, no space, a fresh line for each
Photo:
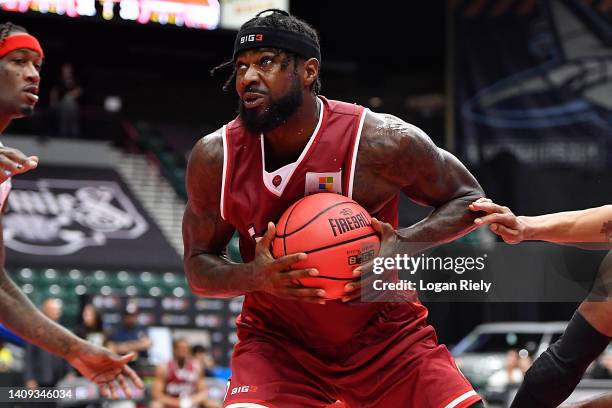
533,79
81,218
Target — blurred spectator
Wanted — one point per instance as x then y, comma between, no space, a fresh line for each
510,374
131,337
43,369
6,357
525,362
206,360
90,326
64,101
179,382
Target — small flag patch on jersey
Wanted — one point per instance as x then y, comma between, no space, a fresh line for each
326,183
323,183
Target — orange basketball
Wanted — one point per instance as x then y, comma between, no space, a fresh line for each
336,234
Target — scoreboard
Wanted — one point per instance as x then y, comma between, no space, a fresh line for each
199,14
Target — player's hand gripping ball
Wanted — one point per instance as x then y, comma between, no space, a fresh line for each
336,234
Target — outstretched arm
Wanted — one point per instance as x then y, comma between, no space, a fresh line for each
592,225
24,319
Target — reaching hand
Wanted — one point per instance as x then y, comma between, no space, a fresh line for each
500,219
105,369
13,161
276,277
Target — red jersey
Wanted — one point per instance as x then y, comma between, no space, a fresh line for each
251,197
182,381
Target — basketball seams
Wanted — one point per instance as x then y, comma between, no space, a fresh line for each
335,257
334,278
285,234
285,228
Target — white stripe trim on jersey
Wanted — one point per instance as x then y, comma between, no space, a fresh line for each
226,390
355,150
225,159
246,405
461,398
295,164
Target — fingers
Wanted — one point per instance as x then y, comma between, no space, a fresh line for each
14,162
361,269
16,155
352,291
510,236
284,262
133,376
376,225
123,360
104,390
507,219
113,390
9,167
266,240
310,295
381,227
300,273
31,163
489,207
352,296
124,386
350,287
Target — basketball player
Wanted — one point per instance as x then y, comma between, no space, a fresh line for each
20,61
180,381
295,349
555,374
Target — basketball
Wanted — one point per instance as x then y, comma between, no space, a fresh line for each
336,234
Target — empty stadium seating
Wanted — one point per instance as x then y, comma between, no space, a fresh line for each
69,285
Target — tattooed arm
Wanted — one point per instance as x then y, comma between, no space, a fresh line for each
205,232
593,225
394,155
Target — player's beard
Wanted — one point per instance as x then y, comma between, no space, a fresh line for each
277,112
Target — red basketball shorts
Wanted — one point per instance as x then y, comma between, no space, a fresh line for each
391,364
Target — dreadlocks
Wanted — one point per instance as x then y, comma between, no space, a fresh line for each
281,20
8,28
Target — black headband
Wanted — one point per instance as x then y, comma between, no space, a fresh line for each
267,37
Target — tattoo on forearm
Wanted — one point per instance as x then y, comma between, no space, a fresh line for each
607,230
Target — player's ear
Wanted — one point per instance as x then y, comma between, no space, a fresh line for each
311,71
